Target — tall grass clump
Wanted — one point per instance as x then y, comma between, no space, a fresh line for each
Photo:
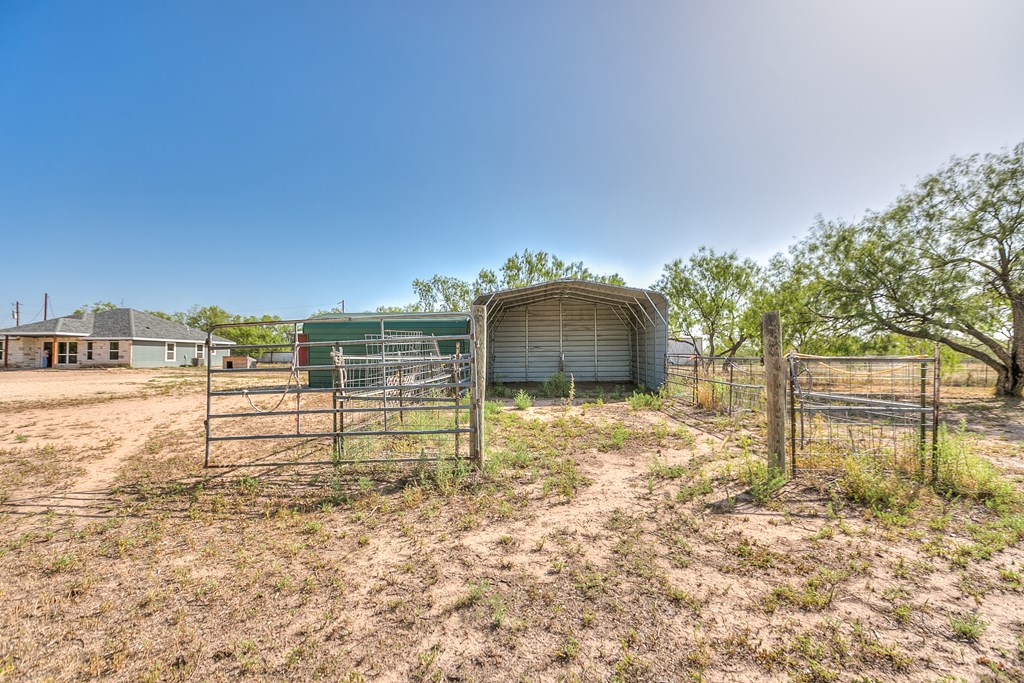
707,397
864,484
962,474
763,482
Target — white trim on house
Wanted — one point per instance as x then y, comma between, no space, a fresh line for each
170,349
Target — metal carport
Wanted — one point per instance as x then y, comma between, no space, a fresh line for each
594,331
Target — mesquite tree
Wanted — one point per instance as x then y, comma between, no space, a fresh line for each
712,295
944,263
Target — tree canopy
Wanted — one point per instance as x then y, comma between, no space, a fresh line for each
944,263
447,293
712,295
97,307
206,317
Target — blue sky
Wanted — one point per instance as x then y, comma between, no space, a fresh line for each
280,156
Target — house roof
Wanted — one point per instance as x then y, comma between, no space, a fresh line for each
118,323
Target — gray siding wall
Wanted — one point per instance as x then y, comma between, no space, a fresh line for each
150,354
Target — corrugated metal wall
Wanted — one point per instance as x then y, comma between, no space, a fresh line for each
649,342
359,327
532,342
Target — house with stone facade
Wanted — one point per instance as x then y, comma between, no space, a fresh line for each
119,337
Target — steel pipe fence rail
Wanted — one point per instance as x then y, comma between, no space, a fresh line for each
392,396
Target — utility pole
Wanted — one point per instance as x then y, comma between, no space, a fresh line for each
17,313
46,304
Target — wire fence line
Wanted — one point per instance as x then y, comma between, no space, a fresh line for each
968,373
882,407
724,385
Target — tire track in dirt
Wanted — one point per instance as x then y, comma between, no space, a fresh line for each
121,426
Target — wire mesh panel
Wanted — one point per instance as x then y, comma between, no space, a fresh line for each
724,385
884,408
968,373
389,396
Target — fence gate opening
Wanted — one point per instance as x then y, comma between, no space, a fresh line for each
884,408
353,389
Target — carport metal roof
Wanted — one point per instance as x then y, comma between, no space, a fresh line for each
641,302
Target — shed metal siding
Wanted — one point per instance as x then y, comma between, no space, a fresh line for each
532,342
605,332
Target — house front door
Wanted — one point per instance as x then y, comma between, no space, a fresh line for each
47,359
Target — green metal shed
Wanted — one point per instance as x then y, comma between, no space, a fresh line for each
355,326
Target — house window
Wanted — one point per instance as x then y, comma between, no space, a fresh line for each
115,350
200,351
88,350
169,352
67,353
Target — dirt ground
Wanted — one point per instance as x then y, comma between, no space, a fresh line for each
600,543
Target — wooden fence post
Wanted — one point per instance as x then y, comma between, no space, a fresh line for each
477,394
775,386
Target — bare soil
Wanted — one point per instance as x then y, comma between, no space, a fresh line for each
600,543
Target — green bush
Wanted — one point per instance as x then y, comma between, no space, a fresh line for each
643,401
522,400
556,386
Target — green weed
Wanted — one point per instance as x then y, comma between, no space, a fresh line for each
522,401
968,626
644,401
556,386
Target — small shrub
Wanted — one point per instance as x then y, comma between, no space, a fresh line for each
556,386
522,401
663,470
968,627
644,401
762,481
619,435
